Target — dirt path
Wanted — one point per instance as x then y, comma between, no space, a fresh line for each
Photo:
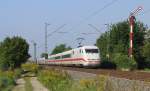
37,86
20,85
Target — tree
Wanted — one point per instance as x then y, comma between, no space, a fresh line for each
14,52
115,40
118,37
146,53
147,36
60,48
146,49
44,55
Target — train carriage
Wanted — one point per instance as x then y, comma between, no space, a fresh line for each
82,56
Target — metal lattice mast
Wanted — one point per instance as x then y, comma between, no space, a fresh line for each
46,47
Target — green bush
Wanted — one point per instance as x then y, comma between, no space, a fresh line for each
124,62
13,52
54,80
6,80
146,54
30,67
18,73
107,64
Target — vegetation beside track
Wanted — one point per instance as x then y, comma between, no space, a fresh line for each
116,41
55,80
13,52
58,80
7,79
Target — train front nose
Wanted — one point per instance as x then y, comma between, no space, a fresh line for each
92,57
92,63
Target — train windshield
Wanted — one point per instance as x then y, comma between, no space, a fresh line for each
91,50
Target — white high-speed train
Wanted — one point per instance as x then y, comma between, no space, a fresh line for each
82,56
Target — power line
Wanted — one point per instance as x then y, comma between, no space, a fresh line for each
50,34
92,15
95,13
95,28
101,9
88,33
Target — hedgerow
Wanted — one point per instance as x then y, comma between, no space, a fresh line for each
124,62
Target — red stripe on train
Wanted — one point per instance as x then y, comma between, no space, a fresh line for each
72,59
69,59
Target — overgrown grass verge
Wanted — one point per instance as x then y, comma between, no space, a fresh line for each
55,80
95,84
58,80
30,68
7,79
147,69
28,85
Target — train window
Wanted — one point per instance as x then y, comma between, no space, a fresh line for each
91,50
52,58
80,51
66,56
58,57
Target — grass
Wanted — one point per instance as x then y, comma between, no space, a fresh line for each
94,84
57,80
28,85
54,80
147,69
60,81
7,80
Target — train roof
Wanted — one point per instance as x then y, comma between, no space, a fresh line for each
86,47
69,51
90,47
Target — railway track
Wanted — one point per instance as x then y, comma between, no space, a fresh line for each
132,75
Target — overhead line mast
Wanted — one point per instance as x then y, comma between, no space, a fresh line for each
46,47
132,22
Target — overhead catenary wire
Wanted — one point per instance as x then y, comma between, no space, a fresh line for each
55,31
90,16
101,9
95,28
94,13
50,34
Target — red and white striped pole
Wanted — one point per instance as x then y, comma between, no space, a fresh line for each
132,18
132,22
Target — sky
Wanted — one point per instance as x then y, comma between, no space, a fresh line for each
27,18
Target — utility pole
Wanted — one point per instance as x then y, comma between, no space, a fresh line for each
34,44
35,52
108,40
46,47
132,22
